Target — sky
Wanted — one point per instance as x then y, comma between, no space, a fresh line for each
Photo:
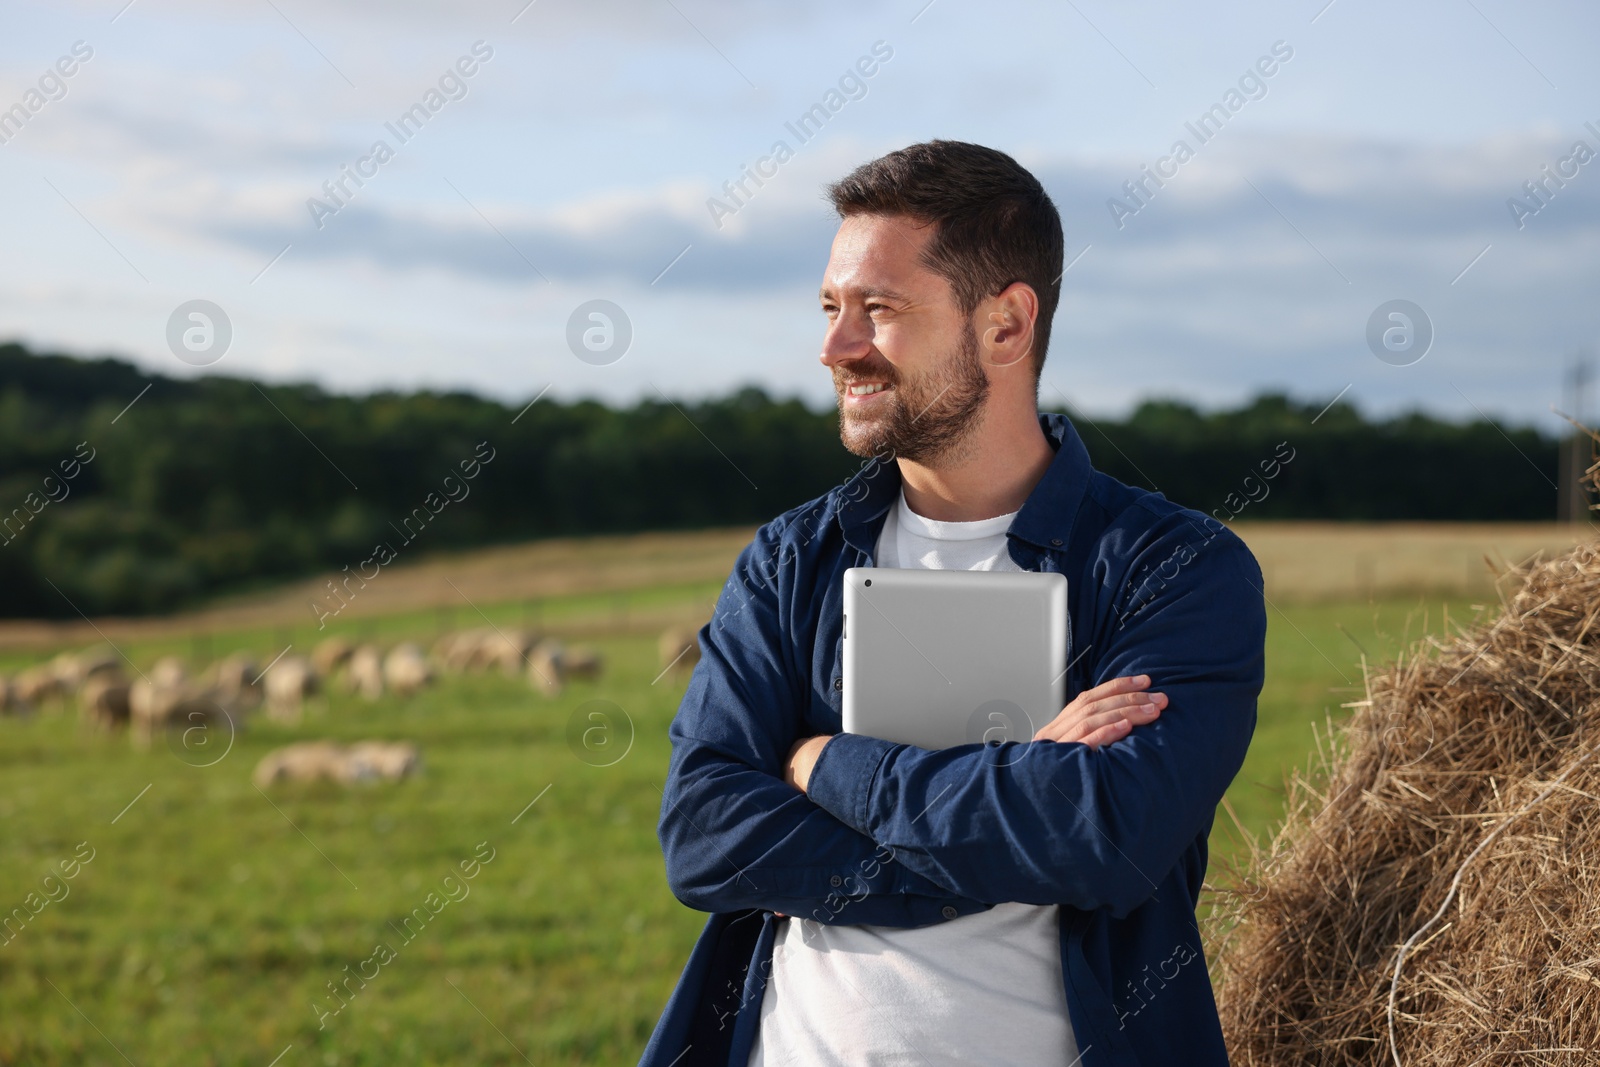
585,157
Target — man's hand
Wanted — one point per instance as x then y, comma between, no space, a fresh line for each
1105,713
802,757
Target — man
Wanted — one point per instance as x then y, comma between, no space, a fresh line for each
1001,904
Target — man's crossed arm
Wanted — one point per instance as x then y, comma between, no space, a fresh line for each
1095,717
1068,823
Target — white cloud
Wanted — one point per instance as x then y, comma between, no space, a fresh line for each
592,141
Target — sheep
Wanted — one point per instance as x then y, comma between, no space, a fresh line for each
154,706
237,676
678,650
405,670
363,673
363,761
168,671
582,664
11,702
303,762
149,707
330,654
367,760
508,649
162,696
103,700
288,683
552,665
73,669
37,684
461,650
486,647
544,667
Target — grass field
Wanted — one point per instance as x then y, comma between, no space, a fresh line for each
212,918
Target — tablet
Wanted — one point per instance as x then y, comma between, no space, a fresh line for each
938,658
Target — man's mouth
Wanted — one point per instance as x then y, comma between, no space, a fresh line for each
867,388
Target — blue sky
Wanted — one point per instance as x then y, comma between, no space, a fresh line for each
1375,163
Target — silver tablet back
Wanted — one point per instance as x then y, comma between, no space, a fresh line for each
939,658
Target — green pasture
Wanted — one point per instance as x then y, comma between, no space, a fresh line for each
212,919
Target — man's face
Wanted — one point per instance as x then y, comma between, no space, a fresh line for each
904,359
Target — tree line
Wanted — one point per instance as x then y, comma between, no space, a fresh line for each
123,491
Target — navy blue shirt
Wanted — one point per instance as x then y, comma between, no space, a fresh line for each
894,835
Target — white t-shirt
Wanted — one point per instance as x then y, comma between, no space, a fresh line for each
985,988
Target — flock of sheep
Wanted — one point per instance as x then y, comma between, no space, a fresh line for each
166,697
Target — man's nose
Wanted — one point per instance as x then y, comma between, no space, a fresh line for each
849,337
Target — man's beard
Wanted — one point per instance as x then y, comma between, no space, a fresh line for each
925,417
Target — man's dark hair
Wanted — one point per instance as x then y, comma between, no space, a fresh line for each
995,223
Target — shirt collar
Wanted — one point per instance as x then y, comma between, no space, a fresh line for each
1046,517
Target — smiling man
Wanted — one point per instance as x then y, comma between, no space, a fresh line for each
1014,904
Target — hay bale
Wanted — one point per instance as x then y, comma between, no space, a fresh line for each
1439,888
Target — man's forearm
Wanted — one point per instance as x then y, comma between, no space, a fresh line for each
1095,717
1045,823
735,837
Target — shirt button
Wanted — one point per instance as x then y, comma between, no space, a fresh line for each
836,881
1056,541
949,912
838,685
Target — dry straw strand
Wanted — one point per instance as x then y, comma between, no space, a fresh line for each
1434,897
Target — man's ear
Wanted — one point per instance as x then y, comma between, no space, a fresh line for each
1006,325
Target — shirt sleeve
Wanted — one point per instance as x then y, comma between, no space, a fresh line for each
734,834
1044,822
